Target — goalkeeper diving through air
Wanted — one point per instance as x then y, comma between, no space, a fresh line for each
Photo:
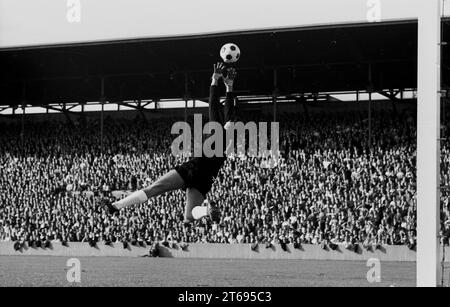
198,174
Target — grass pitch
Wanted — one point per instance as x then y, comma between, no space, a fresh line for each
111,271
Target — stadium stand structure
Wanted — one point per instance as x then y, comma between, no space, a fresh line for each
346,180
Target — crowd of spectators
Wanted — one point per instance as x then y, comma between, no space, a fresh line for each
332,185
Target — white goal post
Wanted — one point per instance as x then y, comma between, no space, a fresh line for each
428,143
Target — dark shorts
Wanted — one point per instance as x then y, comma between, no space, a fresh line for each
200,173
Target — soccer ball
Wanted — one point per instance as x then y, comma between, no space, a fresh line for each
230,53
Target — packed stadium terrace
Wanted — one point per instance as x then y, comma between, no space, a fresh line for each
328,189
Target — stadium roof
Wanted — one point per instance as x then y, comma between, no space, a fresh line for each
306,60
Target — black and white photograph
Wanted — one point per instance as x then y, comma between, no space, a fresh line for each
239,145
